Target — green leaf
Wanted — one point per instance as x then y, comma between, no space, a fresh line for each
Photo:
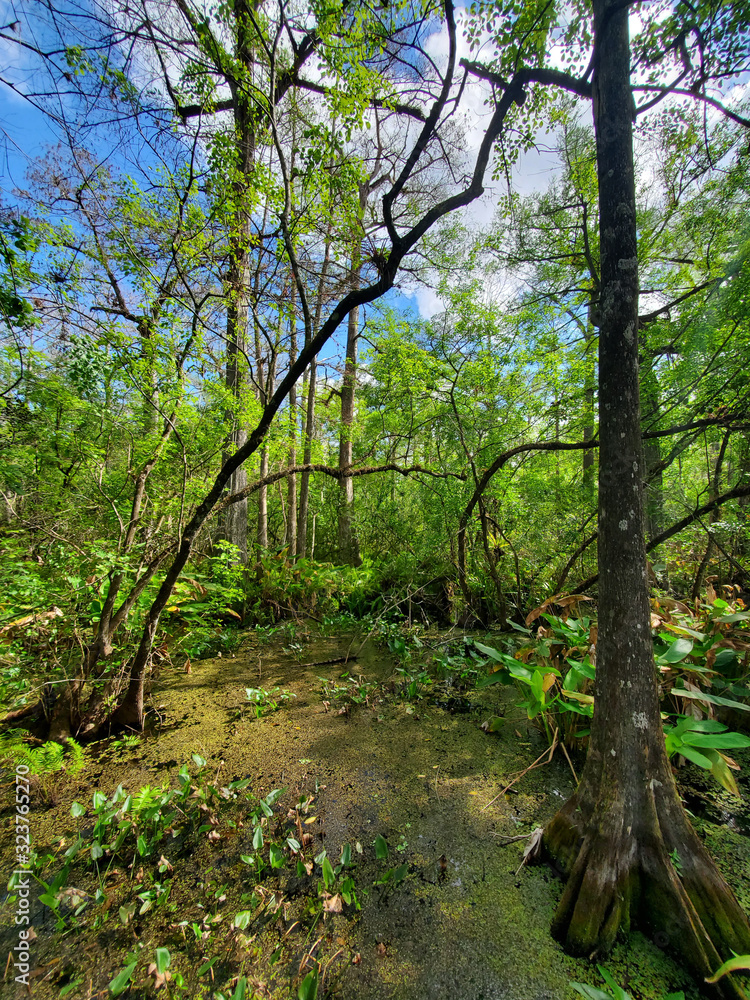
710,699
590,992
273,797
120,983
70,987
346,855
309,987
76,811
494,724
276,856
731,965
617,992
722,772
239,990
725,658
381,847
163,958
258,838
499,677
741,616
328,874
199,761
96,851
243,918
695,757
720,741
494,654
677,651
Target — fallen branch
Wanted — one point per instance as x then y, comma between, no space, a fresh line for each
537,763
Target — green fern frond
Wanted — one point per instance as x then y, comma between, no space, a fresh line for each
77,760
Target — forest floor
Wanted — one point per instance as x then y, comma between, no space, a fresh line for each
448,913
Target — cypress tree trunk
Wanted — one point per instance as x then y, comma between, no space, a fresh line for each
347,537
290,539
623,840
589,391
308,430
235,522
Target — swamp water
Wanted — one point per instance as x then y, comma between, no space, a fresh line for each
448,914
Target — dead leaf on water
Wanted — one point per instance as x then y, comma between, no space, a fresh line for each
333,904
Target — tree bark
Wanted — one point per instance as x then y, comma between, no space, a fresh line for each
347,535
235,526
290,538
308,432
623,840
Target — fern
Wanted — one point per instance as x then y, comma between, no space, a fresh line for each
77,758
46,759
12,745
49,758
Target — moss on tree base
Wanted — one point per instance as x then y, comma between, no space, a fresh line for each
644,867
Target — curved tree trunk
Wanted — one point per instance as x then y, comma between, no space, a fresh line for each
623,840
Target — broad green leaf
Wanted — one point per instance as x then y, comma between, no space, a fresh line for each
276,856
328,874
242,919
711,699
494,654
121,981
725,658
77,810
309,987
273,797
590,992
381,847
677,651
720,741
163,958
695,757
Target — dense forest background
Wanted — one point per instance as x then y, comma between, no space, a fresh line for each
188,232
220,409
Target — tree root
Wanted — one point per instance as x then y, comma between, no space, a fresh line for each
649,869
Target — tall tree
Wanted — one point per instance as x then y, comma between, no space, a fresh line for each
619,836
